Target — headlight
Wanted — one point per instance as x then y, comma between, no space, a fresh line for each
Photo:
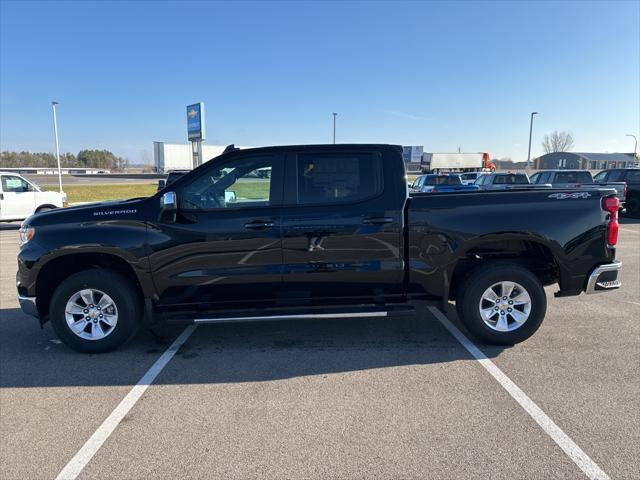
26,234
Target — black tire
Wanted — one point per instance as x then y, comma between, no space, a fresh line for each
483,277
124,295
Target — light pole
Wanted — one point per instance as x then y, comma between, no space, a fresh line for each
334,126
530,133
635,149
55,133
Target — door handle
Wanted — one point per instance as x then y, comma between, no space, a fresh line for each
259,225
377,220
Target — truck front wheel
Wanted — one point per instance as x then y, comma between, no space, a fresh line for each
95,311
501,303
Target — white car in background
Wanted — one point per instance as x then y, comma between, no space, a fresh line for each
20,198
470,177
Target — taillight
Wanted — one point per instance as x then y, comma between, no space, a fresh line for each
612,205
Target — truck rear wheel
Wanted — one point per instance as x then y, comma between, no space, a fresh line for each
502,303
95,311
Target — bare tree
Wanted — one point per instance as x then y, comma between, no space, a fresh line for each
557,142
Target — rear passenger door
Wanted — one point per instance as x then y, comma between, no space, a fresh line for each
342,228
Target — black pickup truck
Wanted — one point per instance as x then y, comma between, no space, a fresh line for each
329,232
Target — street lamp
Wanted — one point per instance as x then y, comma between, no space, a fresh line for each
55,133
635,149
530,133
334,126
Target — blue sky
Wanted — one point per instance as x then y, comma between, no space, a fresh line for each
439,74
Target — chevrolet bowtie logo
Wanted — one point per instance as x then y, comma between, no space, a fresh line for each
192,113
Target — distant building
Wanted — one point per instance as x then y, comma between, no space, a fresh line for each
584,161
177,156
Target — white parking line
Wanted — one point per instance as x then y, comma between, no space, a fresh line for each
573,451
89,449
628,230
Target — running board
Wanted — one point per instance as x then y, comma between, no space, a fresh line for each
303,316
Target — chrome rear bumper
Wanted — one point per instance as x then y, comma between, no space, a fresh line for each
604,278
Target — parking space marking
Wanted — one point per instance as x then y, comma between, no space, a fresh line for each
89,449
628,230
573,451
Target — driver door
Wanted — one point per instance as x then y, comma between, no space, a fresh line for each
224,248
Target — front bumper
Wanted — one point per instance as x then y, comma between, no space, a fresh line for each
28,305
604,278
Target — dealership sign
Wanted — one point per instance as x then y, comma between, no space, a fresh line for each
195,121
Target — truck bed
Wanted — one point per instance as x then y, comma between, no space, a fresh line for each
445,227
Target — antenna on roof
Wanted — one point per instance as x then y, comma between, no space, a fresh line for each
230,148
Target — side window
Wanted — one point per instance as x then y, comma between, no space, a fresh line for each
243,182
535,177
584,177
600,177
545,178
14,184
338,178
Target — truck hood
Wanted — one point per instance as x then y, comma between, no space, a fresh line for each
111,210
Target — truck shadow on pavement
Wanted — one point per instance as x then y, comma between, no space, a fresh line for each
31,357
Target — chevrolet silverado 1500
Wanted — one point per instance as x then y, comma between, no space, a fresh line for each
330,231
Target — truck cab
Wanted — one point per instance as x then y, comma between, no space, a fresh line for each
20,198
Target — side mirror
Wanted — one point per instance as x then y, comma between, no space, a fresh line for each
168,207
169,202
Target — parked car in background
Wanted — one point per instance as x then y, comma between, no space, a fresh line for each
172,176
631,177
576,179
470,177
20,198
440,183
506,181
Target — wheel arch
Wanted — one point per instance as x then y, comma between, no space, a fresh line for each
45,205
535,255
56,270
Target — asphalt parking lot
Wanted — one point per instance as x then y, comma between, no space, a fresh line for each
399,398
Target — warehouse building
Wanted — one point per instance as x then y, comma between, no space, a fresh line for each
585,161
177,156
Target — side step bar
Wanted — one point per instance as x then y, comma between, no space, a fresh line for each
302,316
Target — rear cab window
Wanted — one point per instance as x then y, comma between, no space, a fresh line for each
573,177
333,178
511,179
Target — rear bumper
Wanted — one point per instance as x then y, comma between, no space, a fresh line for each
604,278
28,305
